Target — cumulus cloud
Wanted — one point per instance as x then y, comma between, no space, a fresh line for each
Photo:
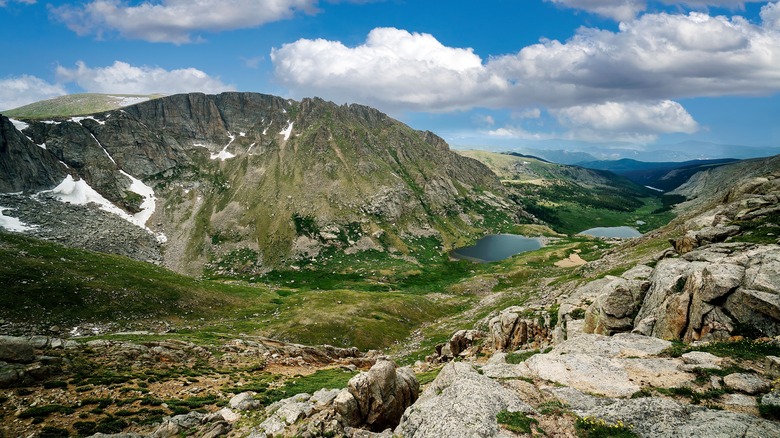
121,77
770,15
659,56
655,58
621,10
393,68
22,90
175,21
626,121
625,10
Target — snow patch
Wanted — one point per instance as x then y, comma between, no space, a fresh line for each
653,188
224,154
19,125
42,145
101,147
127,100
79,119
287,131
265,131
80,193
147,205
242,134
51,122
250,148
12,223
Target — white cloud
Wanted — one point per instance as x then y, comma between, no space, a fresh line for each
175,21
770,15
393,68
625,121
625,10
621,10
4,3
655,58
658,56
530,113
22,90
121,77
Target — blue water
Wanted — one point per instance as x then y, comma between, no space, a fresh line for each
623,232
496,247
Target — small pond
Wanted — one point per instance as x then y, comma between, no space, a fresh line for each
623,232
496,247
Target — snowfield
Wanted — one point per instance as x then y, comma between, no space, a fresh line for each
12,223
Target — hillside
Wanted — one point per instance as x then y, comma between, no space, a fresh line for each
572,198
245,183
77,105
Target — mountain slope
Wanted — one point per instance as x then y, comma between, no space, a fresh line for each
572,198
77,104
247,181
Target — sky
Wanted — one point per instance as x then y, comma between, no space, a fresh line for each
635,73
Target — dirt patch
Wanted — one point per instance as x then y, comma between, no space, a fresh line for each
571,261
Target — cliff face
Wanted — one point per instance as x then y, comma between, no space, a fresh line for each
273,179
25,166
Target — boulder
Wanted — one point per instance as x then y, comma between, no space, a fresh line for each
708,293
747,383
614,309
376,399
244,402
460,402
614,366
14,349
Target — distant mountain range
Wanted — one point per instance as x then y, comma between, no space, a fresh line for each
664,176
574,152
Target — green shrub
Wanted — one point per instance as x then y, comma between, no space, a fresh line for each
578,313
428,376
53,432
770,412
44,411
589,427
516,421
516,358
85,427
111,425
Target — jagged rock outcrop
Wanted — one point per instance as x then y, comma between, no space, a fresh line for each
617,304
518,327
376,399
710,292
462,343
460,402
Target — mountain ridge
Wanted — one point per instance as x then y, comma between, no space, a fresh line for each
217,163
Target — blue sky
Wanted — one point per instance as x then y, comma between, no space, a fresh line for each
500,72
